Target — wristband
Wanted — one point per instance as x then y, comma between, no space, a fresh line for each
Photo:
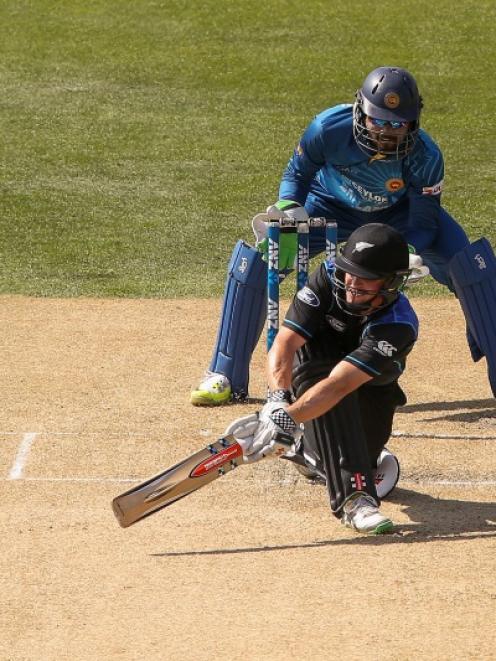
282,419
280,395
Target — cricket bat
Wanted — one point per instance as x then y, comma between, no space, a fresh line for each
183,478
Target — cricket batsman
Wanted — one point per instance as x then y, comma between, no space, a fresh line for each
360,163
333,375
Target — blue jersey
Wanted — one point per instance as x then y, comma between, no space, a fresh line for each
328,164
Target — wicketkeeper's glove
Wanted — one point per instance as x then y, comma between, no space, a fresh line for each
288,244
417,267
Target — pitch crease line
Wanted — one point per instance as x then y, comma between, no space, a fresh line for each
22,456
455,437
133,480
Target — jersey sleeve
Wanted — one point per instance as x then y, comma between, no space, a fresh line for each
310,305
382,349
307,159
426,183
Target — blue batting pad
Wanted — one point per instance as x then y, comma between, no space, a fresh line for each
242,318
475,350
473,271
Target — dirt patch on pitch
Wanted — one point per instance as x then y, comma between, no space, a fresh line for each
253,566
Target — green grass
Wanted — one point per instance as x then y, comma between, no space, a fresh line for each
139,138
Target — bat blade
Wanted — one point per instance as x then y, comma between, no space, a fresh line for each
176,482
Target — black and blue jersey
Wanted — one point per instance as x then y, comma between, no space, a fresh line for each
377,344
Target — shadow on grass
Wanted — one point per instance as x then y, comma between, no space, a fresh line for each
433,520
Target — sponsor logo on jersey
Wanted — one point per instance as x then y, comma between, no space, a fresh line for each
309,297
244,265
368,195
481,262
433,190
362,245
299,150
340,326
385,348
393,185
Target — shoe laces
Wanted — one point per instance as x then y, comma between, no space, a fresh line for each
366,504
220,379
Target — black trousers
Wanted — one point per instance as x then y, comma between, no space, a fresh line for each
346,441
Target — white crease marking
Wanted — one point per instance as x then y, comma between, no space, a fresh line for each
22,456
134,480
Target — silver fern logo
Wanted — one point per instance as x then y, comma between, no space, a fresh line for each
362,245
309,297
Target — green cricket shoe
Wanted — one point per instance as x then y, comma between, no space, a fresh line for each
214,390
362,514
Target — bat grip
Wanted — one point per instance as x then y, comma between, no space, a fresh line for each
281,438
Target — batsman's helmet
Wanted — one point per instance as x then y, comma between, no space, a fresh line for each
373,252
389,94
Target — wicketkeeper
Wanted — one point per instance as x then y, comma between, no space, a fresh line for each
357,164
333,375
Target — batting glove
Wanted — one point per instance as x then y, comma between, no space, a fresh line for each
243,430
271,436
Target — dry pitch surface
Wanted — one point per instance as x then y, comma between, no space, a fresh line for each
95,397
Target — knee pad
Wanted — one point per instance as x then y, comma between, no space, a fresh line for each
387,473
473,272
242,317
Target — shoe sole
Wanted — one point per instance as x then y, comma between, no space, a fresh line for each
202,400
382,529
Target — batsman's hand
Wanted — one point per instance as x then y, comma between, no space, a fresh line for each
288,244
271,432
417,267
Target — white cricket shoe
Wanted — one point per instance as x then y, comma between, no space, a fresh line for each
214,390
362,514
387,473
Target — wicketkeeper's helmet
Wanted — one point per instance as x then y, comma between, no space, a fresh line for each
373,252
390,94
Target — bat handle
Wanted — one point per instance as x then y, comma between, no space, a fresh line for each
283,443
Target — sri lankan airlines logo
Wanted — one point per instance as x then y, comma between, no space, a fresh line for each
433,190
